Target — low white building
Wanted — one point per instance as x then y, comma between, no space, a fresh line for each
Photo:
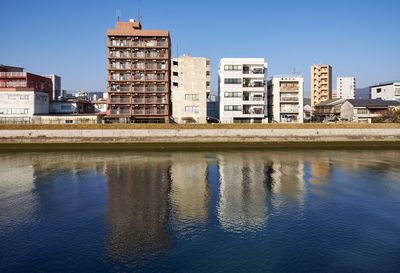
386,91
190,84
285,99
242,90
21,106
365,110
345,87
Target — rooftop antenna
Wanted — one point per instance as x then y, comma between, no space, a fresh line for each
138,11
118,14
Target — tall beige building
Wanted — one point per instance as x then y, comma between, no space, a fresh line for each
321,83
190,77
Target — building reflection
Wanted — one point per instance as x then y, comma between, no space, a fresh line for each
243,195
137,210
288,177
189,190
320,169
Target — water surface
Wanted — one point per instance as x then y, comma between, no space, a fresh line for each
278,211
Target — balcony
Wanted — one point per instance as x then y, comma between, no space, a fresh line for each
155,100
253,84
160,77
156,112
12,74
138,55
121,111
118,66
118,88
138,111
155,66
120,101
290,99
138,100
156,55
120,55
119,43
116,77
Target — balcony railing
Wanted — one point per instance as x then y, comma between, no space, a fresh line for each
155,55
120,89
138,111
290,99
253,84
13,84
120,54
120,78
120,66
12,74
121,43
155,112
153,100
120,112
120,100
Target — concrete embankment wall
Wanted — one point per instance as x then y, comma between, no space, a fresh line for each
200,135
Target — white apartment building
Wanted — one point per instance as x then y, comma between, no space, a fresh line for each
242,90
345,87
18,106
56,92
386,91
190,84
285,99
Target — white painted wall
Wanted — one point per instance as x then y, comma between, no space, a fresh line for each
23,103
227,116
345,87
279,106
389,91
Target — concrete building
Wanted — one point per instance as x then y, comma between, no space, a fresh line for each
285,99
321,83
72,106
190,79
366,110
138,72
212,108
15,79
328,110
21,106
56,91
346,87
242,90
386,91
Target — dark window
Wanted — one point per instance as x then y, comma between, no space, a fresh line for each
233,81
378,90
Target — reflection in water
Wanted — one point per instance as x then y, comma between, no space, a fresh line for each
137,207
189,190
243,194
288,178
156,201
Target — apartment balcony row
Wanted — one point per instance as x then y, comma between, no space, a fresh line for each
253,99
137,55
137,100
139,89
118,77
12,74
138,43
255,84
140,111
289,111
253,70
13,84
129,66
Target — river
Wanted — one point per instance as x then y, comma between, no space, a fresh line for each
228,211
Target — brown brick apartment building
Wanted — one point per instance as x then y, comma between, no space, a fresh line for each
138,74
15,79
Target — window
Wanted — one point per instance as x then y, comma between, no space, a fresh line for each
66,107
174,63
175,84
378,90
69,121
233,108
191,109
192,97
232,94
232,67
397,91
12,97
233,81
363,111
174,73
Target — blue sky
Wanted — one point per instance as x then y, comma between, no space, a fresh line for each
67,37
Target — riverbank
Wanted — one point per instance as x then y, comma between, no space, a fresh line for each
181,139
